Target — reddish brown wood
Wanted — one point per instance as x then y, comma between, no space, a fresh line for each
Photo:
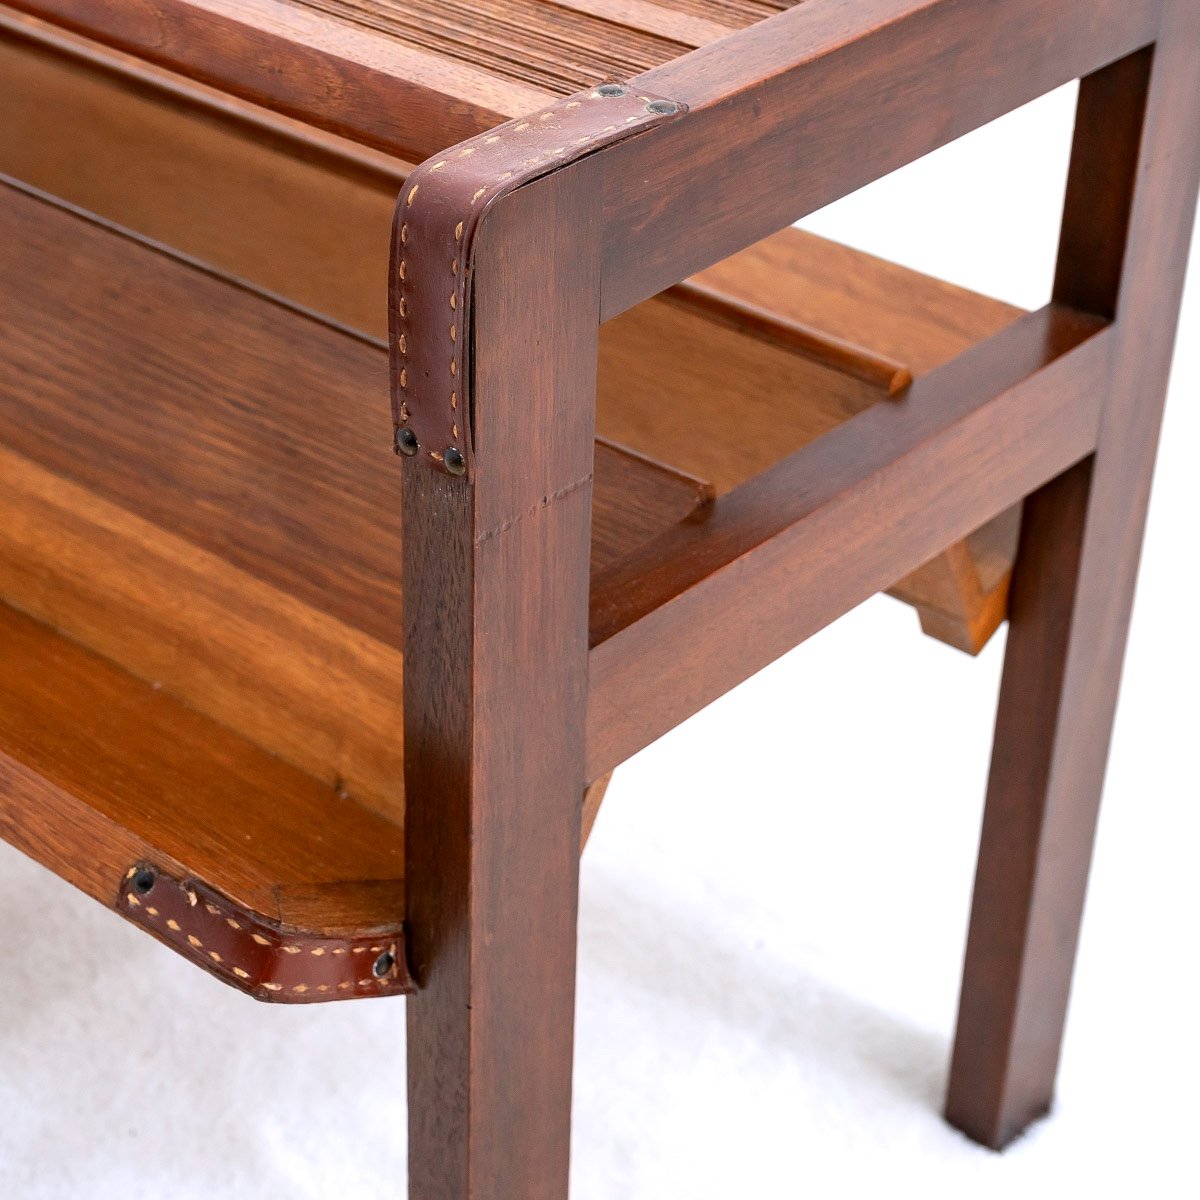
797,111
224,450
593,798
890,376
796,321
100,771
1129,215
500,729
339,78
495,687
789,552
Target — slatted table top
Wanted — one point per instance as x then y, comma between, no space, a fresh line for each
558,46
408,76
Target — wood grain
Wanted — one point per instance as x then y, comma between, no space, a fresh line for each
99,770
409,76
320,694
301,216
197,483
271,201
803,543
495,694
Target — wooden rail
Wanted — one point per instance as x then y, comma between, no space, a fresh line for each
705,607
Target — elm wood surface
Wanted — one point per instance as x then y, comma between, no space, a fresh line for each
407,75
197,483
100,771
899,315
961,596
307,221
323,696
593,798
855,70
307,66
718,308
241,383
430,299
1131,203
803,543
803,108
905,317
495,568
274,203
271,201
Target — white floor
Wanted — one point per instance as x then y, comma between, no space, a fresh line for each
773,914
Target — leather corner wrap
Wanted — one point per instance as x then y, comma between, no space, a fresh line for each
437,216
257,956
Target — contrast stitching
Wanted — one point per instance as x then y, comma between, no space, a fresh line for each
392,978
413,204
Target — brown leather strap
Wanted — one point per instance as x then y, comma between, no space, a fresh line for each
437,216
250,953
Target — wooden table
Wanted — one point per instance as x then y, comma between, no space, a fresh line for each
334,723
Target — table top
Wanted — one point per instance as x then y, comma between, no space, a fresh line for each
408,76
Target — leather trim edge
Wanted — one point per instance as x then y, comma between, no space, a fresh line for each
256,956
437,216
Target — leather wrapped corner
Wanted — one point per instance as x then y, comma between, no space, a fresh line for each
437,217
259,956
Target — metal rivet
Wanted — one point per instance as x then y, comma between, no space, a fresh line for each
144,881
406,442
610,89
664,107
383,965
454,461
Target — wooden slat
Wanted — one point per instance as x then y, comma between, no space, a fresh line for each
407,76
711,400
555,48
99,770
759,324
305,65
892,311
969,441
346,77
302,217
924,322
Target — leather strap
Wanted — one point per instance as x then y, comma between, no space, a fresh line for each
437,216
255,956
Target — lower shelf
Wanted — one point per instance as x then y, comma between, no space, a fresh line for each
260,874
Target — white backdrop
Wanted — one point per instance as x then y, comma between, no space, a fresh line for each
774,904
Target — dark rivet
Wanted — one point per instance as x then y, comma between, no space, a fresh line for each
610,89
383,965
144,880
406,442
455,463
664,107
